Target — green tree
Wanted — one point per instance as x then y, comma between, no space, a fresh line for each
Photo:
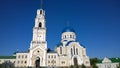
71,66
93,62
77,66
83,66
94,66
7,64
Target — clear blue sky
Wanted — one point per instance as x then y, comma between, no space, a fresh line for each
96,22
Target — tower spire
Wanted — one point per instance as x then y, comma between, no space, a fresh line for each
41,4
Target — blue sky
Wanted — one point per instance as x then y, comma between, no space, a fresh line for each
96,22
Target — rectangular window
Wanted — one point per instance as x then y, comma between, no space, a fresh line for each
55,56
54,61
74,49
71,52
21,62
26,56
49,56
63,62
19,56
22,56
25,62
60,50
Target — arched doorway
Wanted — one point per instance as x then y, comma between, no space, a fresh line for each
75,61
37,62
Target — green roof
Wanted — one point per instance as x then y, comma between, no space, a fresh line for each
113,60
7,57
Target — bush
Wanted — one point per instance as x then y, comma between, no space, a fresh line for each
71,66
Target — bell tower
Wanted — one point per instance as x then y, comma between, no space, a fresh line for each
39,30
38,46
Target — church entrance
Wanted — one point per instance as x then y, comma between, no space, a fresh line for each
75,61
37,62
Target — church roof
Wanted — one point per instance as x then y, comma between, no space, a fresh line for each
22,52
68,29
113,60
70,42
74,41
7,57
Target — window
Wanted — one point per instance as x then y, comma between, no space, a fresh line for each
38,51
63,62
21,62
40,11
71,52
54,56
26,56
22,56
60,50
25,62
70,36
87,62
76,51
40,24
54,61
73,36
49,56
65,36
19,56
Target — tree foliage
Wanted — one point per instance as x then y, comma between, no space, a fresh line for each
71,66
93,62
83,66
7,64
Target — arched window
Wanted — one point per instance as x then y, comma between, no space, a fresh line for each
71,52
76,51
40,24
65,36
70,36
60,50
40,11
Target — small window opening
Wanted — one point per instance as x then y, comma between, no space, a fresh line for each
40,24
40,11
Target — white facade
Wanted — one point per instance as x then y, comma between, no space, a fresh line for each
67,52
107,63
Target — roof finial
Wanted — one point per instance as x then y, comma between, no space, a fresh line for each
41,4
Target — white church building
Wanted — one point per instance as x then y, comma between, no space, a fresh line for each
68,52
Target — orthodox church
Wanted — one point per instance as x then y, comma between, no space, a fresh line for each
68,52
